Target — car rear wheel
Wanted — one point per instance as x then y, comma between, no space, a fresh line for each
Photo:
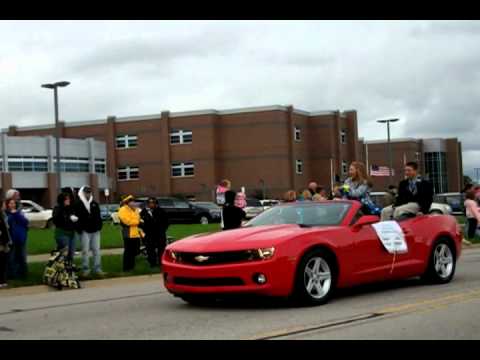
442,263
204,220
316,278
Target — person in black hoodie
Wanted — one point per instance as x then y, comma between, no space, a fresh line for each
88,226
155,225
65,221
232,215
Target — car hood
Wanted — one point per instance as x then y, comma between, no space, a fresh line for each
243,238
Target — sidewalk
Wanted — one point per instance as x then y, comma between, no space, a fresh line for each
45,257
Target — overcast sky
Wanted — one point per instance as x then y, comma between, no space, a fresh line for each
427,73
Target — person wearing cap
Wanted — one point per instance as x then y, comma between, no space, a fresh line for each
130,220
88,226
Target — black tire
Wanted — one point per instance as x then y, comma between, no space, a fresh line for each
435,273
204,219
302,295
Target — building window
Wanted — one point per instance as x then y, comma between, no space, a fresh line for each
296,133
344,168
127,141
28,163
299,167
180,136
73,164
436,170
126,173
100,166
343,136
183,169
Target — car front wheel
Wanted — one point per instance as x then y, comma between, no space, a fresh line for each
316,278
442,263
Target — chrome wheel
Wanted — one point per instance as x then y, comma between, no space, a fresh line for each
204,220
443,261
317,277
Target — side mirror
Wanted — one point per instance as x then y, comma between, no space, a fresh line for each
365,220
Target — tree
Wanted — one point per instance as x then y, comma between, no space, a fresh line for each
467,180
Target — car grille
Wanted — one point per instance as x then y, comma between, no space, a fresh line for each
226,281
202,259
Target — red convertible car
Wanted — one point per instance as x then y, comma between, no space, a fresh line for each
305,251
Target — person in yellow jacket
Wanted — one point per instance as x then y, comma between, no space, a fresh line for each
129,215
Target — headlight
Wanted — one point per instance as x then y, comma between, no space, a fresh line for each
171,255
262,254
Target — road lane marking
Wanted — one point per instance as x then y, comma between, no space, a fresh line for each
385,313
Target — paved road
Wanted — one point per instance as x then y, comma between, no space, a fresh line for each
141,309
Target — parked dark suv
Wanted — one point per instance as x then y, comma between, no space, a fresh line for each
182,212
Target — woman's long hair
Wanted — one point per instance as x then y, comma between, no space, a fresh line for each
362,176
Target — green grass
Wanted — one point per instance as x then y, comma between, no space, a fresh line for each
42,241
111,265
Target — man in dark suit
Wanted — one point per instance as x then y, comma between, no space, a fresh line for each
415,196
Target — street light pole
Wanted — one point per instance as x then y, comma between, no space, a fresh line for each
57,140
389,145
55,87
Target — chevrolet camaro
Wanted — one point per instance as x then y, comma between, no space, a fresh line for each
306,250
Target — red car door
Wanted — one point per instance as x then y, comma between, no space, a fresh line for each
410,263
372,261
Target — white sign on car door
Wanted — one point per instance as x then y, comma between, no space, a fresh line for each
392,237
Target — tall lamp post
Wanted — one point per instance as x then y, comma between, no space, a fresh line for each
55,86
390,171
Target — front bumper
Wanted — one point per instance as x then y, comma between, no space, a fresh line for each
279,274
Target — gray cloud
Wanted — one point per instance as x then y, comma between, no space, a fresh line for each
424,72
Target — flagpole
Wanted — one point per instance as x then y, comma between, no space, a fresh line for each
366,159
331,174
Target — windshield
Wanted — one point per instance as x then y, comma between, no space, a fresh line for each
303,214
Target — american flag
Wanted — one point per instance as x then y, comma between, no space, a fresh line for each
380,171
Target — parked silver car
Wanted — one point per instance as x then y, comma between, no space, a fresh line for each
378,197
254,207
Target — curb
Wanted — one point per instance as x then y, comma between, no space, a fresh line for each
88,284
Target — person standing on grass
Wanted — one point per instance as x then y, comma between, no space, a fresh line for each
89,225
155,225
65,221
15,195
5,245
473,214
18,228
130,220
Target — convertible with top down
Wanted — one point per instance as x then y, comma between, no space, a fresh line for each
306,250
